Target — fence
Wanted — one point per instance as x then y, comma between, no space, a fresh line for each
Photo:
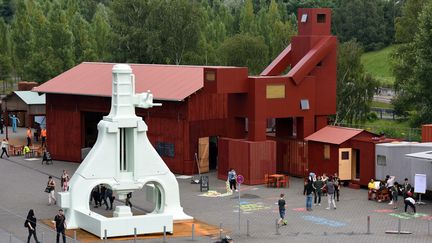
12,229
250,230
404,133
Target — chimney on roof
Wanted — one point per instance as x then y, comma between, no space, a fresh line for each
25,86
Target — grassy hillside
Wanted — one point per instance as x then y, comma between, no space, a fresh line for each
378,64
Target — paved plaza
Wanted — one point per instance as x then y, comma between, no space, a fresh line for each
23,181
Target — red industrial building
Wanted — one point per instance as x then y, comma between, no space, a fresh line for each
347,151
299,101
77,99
213,111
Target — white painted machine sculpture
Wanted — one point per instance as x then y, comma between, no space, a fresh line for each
123,159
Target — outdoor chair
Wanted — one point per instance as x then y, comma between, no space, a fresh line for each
268,180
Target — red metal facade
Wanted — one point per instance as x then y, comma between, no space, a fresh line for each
292,157
426,133
179,123
250,159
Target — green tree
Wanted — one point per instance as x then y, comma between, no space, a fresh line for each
61,40
245,50
422,68
5,52
7,10
177,24
360,20
279,32
355,88
132,38
21,39
83,41
248,23
404,58
38,66
101,30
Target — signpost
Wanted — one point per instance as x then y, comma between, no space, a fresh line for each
204,183
240,180
420,185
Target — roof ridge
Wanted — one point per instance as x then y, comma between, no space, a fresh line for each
347,128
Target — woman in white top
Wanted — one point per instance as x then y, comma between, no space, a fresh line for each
4,146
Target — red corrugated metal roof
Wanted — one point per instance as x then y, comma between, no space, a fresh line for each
166,82
333,135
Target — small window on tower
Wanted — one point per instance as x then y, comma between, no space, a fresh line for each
304,18
321,18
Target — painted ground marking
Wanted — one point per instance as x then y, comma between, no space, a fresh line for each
323,221
408,215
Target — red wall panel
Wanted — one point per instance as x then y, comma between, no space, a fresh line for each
250,159
318,164
292,157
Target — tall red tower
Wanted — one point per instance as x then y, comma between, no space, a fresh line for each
299,101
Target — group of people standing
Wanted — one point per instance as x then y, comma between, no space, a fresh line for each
40,132
316,186
393,189
101,193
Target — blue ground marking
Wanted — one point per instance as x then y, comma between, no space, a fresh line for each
323,221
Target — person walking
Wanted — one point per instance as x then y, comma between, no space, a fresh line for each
109,195
128,198
390,180
281,204
29,136
406,187
232,178
394,192
96,196
60,225
43,137
318,186
309,190
4,146
51,189
337,183
409,201
1,124
65,181
30,224
330,193
103,196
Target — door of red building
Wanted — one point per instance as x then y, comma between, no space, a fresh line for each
345,163
203,154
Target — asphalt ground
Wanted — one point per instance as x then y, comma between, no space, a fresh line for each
23,181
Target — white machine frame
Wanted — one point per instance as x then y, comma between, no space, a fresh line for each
123,159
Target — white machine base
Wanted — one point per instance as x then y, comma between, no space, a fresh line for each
122,211
123,226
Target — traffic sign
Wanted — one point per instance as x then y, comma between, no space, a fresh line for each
240,179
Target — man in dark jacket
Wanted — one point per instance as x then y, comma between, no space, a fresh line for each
309,190
60,224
